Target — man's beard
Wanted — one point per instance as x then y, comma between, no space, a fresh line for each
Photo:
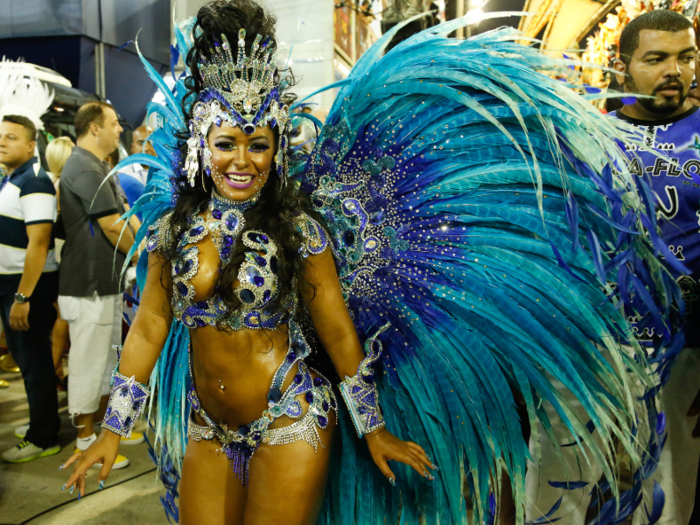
654,105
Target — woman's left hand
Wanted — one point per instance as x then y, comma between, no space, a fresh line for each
384,446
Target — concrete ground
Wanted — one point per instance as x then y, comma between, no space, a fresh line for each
30,493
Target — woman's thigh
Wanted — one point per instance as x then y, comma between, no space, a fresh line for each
288,482
210,494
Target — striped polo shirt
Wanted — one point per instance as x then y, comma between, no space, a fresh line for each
27,197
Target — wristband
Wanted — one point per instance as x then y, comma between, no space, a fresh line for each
126,402
360,391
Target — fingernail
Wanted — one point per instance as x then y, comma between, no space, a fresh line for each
62,467
435,467
64,486
101,485
79,496
392,482
72,489
431,478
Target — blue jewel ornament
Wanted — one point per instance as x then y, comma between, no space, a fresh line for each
274,395
247,296
216,213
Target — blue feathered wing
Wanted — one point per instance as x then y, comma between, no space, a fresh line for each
473,207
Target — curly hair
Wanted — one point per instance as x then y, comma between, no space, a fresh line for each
278,204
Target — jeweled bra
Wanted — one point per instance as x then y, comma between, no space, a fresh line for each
257,275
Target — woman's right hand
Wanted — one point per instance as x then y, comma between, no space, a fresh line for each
104,450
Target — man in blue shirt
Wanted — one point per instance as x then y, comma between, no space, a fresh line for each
657,59
29,282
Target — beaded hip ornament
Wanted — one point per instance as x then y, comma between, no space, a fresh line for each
242,93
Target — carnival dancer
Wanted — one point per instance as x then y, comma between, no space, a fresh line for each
460,225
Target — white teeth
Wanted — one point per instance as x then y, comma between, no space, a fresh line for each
240,178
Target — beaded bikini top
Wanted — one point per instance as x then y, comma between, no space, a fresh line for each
257,275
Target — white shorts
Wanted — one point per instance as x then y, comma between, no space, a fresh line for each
95,326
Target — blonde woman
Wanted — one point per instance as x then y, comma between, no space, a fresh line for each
57,153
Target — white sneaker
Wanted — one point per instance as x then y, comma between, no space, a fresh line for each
21,432
119,462
27,451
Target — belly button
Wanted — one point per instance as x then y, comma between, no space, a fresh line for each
222,387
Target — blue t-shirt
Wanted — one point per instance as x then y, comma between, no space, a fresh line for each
677,199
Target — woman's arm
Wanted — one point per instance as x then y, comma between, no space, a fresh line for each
336,331
142,348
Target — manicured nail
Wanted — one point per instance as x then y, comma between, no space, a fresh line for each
64,486
434,466
72,489
101,485
62,467
392,482
431,478
79,496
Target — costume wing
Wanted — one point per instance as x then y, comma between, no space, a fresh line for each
472,207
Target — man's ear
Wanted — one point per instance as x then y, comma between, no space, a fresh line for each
620,72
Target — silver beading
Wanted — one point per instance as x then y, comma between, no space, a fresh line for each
126,402
243,93
360,391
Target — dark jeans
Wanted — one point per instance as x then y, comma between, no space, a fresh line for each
32,352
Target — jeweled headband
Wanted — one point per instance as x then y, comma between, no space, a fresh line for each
243,93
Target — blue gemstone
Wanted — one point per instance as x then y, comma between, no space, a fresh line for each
258,237
297,378
181,288
322,421
226,252
273,265
325,406
201,304
309,397
362,410
266,295
369,379
377,217
247,296
199,321
257,436
318,381
348,238
196,231
177,269
217,120
261,261
228,240
127,422
291,358
251,274
231,222
258,281
186,267
274,395
243,430
216,214
297,348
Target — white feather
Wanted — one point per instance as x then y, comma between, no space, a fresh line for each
23,95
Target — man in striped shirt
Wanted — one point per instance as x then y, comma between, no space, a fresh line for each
29,282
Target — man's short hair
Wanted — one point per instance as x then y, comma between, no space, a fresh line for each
659,20
92,112
24,122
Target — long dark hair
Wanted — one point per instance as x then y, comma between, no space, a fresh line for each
278,204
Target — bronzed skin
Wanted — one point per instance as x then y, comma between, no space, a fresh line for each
287,482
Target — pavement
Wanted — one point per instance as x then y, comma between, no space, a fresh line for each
30,493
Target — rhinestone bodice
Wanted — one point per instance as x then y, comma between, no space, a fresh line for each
257,287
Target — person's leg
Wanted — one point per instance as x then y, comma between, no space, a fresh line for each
559,464
59,339
210,494
677,470
288,482
90,325
32,352
44,421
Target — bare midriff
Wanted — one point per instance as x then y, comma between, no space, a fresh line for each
242,362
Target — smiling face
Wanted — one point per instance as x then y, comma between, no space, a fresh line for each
240,163
662,66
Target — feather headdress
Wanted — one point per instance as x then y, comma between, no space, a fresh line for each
21,94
